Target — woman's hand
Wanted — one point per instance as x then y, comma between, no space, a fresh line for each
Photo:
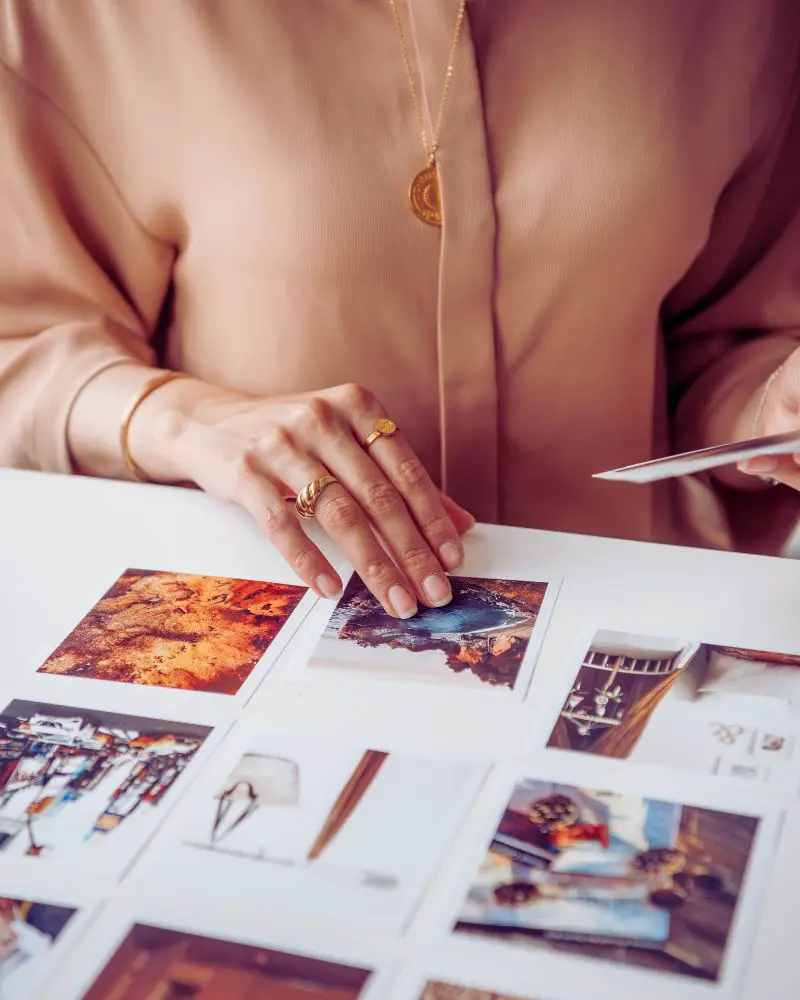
775,409
257,452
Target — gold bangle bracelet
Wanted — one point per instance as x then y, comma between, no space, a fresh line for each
149,387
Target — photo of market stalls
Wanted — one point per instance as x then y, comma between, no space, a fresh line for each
70,777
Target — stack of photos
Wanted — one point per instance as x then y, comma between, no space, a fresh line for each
156,963
29,930
619,877
716,709
177,630
86,784
351,834
486,639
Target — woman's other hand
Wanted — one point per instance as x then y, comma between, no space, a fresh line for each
775,409
258,452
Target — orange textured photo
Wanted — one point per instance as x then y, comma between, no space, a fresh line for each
176,630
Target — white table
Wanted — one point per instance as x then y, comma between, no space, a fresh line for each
63,540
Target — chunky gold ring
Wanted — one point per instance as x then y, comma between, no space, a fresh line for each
383,427
306,502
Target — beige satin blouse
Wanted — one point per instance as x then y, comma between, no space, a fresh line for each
221,186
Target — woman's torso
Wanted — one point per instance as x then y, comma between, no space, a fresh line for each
584,152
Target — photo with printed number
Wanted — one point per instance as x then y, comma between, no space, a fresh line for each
350,834
157,962
29,931
437,990
716,709
480,640
620,877
176,630
89,782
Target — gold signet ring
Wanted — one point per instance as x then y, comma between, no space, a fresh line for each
306,501
382,427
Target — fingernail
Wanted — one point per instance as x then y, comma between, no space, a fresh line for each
760,464
327,585
437,590
451,555
403,603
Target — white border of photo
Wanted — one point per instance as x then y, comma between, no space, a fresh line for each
773,971
514,968
553,689
77,869
297,666
168,857
143,699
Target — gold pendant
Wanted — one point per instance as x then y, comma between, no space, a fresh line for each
424,196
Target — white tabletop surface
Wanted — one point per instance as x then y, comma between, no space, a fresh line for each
63,540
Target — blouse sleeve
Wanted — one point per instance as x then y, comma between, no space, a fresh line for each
81,282
733,321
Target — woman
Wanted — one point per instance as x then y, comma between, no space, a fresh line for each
250,193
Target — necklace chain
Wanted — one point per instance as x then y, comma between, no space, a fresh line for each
431,147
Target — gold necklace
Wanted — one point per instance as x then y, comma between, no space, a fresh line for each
424,191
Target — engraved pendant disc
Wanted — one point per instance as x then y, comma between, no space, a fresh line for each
424,196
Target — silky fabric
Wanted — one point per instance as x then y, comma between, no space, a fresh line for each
221,186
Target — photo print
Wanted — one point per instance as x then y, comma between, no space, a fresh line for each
436,990
177,630
157,962
610,876
29,931
715,709
480,641
86,783
348,834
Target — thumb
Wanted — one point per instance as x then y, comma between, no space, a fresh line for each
761,465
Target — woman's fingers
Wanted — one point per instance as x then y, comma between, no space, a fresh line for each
389,514
769,466
412,522
278,521
384,500
340,515
395,458
342,518
785,470
761,465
